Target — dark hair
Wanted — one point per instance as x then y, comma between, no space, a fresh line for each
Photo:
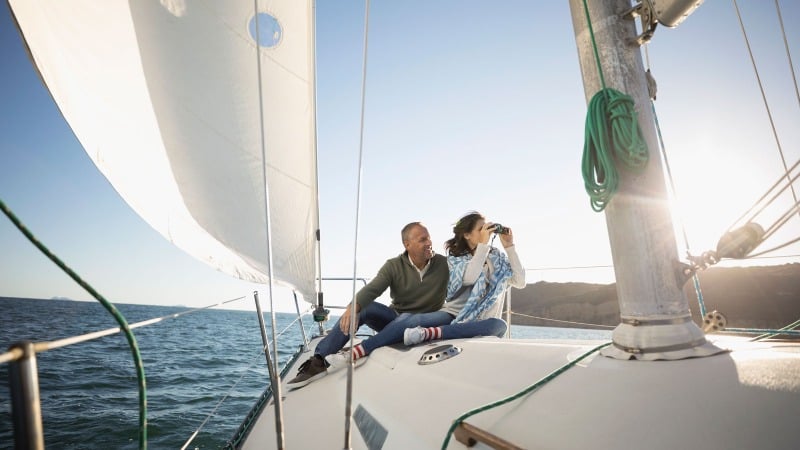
407,230
457,245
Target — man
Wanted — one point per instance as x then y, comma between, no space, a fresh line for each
417,282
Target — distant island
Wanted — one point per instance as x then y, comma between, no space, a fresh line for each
750,297
60,298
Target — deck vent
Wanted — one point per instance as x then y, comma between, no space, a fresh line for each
439,354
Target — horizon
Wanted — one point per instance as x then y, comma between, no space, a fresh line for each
250,307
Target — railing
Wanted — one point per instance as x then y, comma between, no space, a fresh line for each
24,375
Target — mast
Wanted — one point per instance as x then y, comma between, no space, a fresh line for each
655,318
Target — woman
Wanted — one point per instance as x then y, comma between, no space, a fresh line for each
479,275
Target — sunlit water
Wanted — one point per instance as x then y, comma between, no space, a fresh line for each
89,391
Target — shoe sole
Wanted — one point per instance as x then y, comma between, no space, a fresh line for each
300,384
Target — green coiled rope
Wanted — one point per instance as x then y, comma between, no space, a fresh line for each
612,133
123,324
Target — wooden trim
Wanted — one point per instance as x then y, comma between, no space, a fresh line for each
470,435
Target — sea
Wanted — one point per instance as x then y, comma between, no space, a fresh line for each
204,371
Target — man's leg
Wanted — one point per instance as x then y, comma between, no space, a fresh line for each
376,316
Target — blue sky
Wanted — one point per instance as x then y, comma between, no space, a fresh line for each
468,107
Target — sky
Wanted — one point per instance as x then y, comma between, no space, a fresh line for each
468,107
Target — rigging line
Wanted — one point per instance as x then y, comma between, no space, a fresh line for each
562,321
137,357
768,335
288,326
788,53
222,400
790,180
785,244
781,221
274,370
253,361
594,45
313,50
695,277
763,95
605,266
59,343
770,257
668,168
353,315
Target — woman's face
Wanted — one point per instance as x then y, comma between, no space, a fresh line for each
473,237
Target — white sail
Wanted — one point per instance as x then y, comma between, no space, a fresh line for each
164,97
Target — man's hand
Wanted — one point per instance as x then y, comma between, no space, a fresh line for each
344,322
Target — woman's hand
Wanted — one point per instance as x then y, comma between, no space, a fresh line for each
507,238
485,233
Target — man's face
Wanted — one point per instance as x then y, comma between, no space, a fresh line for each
419,245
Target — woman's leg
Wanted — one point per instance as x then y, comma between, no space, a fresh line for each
485,327
393,333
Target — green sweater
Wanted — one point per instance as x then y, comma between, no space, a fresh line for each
408,292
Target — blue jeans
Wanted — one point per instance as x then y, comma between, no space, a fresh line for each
393,332
485,327
375,315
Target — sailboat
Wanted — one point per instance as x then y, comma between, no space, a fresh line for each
661,383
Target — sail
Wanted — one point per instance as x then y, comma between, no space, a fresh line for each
165,98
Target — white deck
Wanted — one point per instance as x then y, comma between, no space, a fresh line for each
748,398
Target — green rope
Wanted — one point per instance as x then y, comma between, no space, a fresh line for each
612,132
525,391
123,324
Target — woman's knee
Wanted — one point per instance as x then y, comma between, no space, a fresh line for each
498,327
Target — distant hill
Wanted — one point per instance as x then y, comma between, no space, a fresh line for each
763,297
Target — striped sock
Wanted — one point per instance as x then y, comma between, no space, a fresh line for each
359,352
432,333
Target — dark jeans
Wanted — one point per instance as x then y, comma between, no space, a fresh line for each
393,333
375,316
485,327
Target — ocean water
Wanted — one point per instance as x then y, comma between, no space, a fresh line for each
89,390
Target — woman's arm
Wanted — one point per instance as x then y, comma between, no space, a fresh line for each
518,278
475,265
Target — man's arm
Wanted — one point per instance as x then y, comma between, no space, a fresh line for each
367,295
376,286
